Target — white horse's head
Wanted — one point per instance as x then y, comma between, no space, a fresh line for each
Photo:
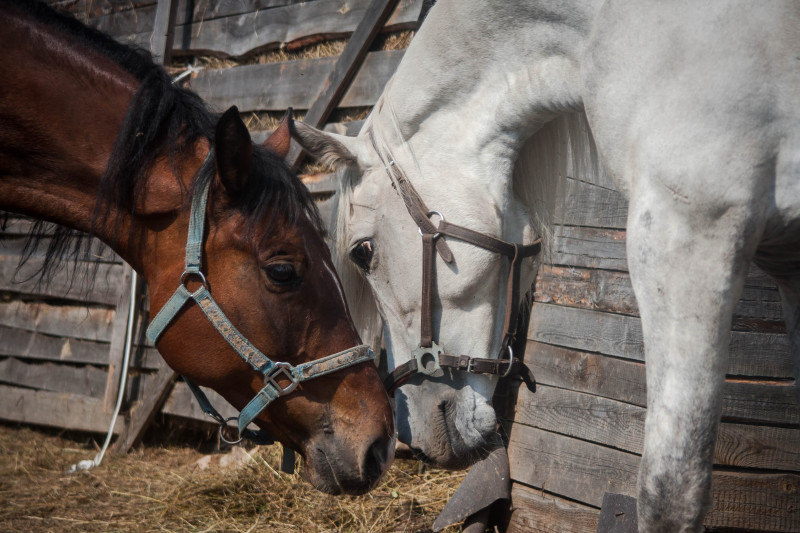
467,176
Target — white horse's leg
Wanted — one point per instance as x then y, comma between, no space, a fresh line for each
687,265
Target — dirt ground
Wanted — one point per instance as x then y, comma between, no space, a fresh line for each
162,487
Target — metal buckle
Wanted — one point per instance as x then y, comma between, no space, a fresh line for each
284,369
470,365
428,360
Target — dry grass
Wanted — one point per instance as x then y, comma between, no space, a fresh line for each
159,488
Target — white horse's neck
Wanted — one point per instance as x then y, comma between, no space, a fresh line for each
515,64
486,80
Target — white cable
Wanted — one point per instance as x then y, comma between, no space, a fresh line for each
86,464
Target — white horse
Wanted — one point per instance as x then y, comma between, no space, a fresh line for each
695,109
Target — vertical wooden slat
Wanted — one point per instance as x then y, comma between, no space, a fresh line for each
163,31
118,335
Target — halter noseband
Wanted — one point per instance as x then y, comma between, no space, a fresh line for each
271,370
429,357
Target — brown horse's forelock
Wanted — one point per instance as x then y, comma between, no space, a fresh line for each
161,117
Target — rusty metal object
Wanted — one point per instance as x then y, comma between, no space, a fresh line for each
486,482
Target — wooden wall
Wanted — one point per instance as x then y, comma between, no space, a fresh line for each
60,350
580,435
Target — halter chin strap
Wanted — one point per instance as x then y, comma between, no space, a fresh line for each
429,358
271,370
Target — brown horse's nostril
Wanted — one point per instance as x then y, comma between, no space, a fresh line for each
376,459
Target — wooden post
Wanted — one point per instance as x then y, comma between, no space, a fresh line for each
159,385
343,71
163,30
118,335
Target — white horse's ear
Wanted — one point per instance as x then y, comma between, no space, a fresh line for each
330,149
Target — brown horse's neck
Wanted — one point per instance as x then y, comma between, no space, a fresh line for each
62,105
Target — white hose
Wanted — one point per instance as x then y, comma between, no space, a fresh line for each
86,464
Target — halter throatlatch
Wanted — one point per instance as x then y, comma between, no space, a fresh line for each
429,358
274,373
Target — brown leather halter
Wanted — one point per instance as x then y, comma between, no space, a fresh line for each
429,357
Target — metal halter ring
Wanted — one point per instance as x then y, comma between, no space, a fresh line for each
222,426
441,219
199,274
510,361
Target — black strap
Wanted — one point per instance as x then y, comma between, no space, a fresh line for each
474,365
256,437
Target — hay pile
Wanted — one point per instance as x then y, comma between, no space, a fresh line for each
161,488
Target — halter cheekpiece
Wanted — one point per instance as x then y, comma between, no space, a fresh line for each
429,357
271,370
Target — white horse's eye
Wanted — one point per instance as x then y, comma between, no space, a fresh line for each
361,254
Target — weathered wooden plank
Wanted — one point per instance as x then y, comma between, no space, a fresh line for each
181,402
64,284
342,128
611,291
119,334
585,204
570,467
55,409
751,353
159,40
533,511
755,502
623,380
589,248
583,471
84,380
38,346
278,86
124,25
156,390
66,320
290,26
621,425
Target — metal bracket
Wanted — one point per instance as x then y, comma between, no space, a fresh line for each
428,360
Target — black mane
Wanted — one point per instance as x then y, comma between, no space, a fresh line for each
162,118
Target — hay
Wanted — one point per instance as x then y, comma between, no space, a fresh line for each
159,488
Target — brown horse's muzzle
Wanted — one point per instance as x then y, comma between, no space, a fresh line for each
334,465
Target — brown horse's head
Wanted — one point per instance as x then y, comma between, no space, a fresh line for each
96,137
270,271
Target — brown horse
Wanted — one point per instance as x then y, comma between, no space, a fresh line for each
93,136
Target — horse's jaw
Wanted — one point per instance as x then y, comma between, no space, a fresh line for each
445,421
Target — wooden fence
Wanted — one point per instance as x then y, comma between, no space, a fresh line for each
580,435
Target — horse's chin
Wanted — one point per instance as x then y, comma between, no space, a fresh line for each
456,434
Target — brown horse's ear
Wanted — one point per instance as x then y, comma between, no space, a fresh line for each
234,151
279,141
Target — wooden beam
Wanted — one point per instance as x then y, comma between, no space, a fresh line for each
56,409
137,420
119,335
163,30
345,68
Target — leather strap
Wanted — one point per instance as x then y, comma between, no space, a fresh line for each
474,365
431,239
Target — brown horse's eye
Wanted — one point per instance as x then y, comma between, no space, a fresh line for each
361,254
281,273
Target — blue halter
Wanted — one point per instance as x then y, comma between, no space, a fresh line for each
271,370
